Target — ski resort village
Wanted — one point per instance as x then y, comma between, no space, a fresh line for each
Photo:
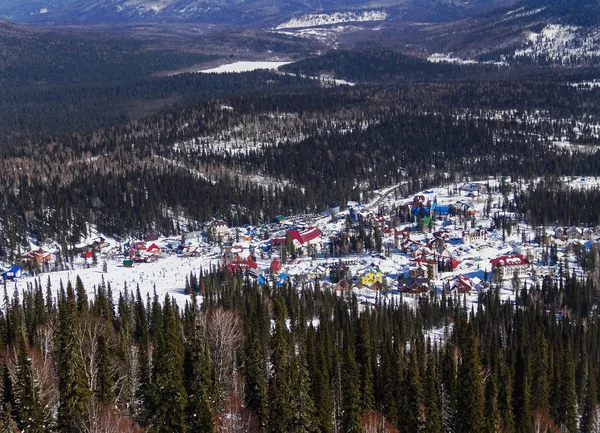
457,240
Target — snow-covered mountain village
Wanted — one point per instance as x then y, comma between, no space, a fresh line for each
457,239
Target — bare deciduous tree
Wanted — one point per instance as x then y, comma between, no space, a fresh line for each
223,333
98,418
375,422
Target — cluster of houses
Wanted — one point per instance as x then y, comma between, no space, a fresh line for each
432,251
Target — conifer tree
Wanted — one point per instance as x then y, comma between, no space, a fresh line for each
351,395
303,420
255,378
82,299
29,407
412,392
105,380
322,392
522,392
73,384
492,411
540,370
433,419
280,410
169,397
589,416
469,391
568,398
365,354
200,417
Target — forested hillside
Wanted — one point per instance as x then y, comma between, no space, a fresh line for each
251,358
294,147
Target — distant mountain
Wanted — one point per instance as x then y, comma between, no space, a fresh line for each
261,12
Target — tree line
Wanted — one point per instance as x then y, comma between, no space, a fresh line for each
238,357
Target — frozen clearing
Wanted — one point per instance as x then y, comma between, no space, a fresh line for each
165,276
244,67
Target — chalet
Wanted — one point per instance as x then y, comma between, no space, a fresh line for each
459,284
588,234
423,268
193,237
506,266
474,236
275,267
219,228
574,233
231,254
341,286
318,271
96,245
560,232
371,276
375,286
190,251
37,256
413,286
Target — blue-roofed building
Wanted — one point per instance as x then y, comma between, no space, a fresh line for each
13,273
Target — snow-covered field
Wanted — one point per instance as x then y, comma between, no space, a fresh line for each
449,58
244,66
314,20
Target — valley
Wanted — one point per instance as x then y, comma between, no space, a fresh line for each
309,217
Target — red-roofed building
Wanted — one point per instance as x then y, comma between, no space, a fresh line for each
275,266
297,237
242,265
459,284
153,249
37,256
508,265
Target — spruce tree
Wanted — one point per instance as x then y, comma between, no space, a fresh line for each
351,395
29,407
280,410
72,380
255,378
469,391
589,415
568,398
303,420
105,380
492,411
365,355
433,419
169,398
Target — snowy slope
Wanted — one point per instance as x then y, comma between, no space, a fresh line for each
315,20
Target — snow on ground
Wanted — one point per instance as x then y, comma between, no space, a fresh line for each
521,13
328,35
167,274
449,58
244,66
561,44
313,20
